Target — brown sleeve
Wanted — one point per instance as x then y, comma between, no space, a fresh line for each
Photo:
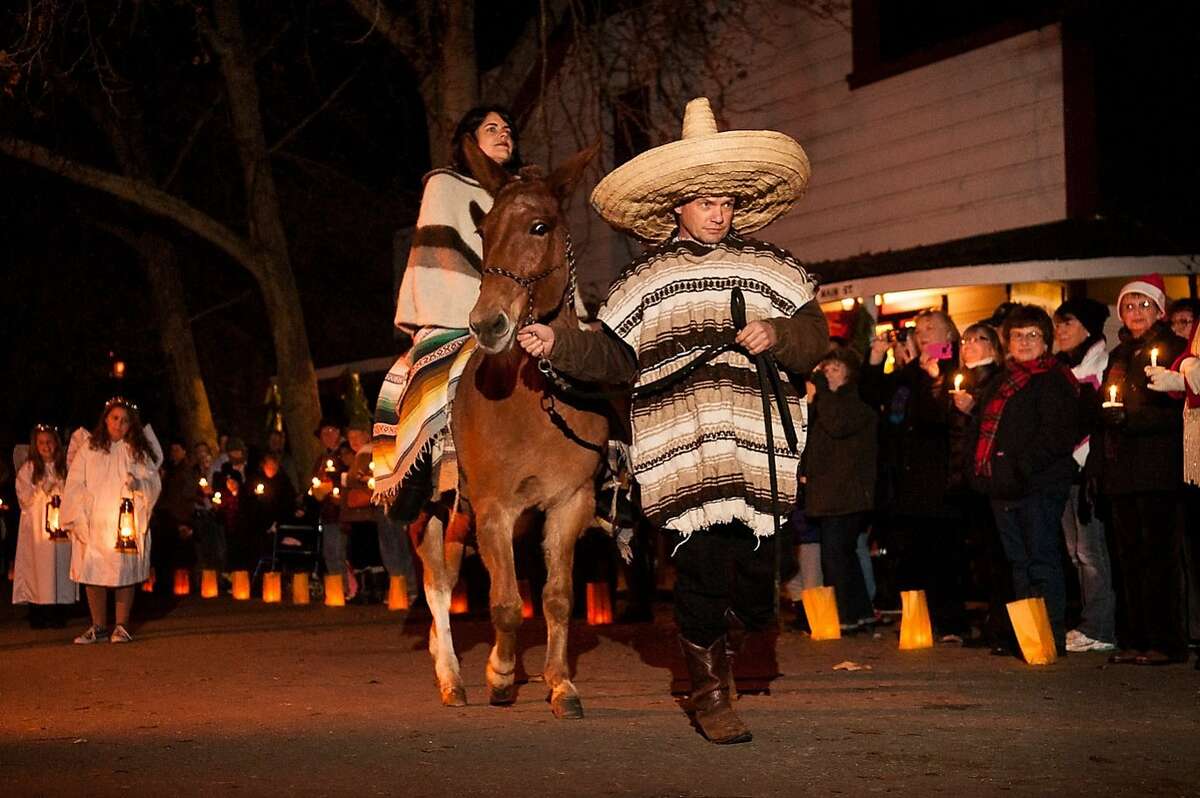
803,338
596,356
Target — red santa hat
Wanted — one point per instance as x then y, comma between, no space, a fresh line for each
1149,284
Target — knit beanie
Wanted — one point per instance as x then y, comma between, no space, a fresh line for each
1151,285
1088,312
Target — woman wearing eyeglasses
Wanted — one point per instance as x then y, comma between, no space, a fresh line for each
1025,427
1141,468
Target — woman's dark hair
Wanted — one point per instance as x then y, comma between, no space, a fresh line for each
135,437
59,456
985,330
1029,316
847,357
467,126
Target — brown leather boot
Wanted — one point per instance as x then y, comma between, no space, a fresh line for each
709,699
735,639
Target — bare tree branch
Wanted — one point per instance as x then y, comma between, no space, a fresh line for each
140,194
303,123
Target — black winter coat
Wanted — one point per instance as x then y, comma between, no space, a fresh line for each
1035,439
914,437
1143,452
976,381
840,452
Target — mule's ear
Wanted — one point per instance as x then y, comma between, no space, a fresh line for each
477,213
563,180
491,175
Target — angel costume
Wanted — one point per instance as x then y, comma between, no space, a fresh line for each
41,571
97,481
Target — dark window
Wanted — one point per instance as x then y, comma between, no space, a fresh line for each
894,36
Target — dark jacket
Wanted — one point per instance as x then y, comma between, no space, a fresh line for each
1140,450
914,436
840,453
976,381
1035,439
328,470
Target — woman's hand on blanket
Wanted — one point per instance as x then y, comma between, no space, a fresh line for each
757,337
536,339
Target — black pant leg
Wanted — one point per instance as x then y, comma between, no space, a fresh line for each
1128,548
702,585
1163,586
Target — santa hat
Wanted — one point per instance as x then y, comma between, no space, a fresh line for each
1151,285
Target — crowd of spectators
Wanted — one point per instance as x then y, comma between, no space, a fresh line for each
1026,457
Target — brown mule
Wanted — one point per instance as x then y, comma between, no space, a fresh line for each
521,449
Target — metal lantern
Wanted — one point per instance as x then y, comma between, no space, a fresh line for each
126,528
54,529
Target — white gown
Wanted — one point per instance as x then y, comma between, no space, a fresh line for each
42,569
96,482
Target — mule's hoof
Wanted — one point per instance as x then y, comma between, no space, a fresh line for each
566,707
502,696
454,696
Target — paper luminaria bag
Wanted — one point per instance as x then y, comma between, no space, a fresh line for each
1031,623
915,629
820,605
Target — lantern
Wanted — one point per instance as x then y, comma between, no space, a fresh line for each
335,595
300,588
182,584
1031,623
54,529
460,603
241,585
208,583
526,591
126,528
599,604
272,589
397,598
820,605
148,585
915,629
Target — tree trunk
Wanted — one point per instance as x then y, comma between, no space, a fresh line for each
293,358
457,78
183,366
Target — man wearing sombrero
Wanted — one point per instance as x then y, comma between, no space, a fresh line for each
699,447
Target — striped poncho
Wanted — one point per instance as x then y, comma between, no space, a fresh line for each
699,450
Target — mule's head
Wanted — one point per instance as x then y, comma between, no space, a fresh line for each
525,271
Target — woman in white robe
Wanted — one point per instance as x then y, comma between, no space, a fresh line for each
41,571
117,460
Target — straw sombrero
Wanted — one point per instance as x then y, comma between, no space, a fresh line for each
766,171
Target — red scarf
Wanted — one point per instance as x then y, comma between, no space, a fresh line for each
1016,377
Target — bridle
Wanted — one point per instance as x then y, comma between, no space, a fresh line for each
529,281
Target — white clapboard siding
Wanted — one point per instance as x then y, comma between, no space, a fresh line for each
966,146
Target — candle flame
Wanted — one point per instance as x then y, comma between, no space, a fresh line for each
203,482
1154,356
260,489
216,497
958,379
1112,393
371,483
316,482
336,490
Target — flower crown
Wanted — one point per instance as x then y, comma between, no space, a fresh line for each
120,401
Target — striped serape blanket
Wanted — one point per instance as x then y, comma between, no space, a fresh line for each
412,416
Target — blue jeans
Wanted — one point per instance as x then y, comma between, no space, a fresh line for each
1030,530
395,551
333,547
1089,553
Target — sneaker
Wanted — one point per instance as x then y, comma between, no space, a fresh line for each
1078,643
120,635
92,635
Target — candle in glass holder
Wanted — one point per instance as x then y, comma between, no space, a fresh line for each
1154,356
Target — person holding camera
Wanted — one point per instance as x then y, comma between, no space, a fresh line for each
915,464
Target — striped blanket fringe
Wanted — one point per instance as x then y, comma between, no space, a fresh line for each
412,416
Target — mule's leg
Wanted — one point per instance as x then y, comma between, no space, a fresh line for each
441,562
563,525
494,533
